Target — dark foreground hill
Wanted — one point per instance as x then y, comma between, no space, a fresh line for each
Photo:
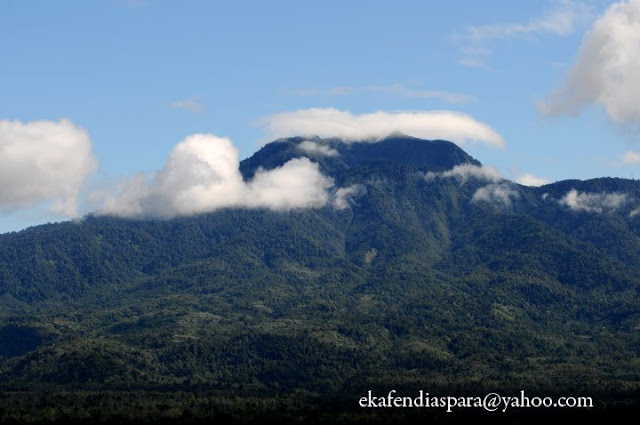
451,283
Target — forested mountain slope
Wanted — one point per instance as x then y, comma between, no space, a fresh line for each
433,273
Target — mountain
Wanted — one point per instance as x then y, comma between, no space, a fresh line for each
435,275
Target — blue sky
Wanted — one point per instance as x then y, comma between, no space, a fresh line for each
133,78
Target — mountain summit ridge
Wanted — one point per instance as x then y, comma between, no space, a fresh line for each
432,155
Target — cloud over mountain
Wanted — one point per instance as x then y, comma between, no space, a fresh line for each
464,172
593,202
531,180
345,196
497,193
312,147
202,174
43,161
331,122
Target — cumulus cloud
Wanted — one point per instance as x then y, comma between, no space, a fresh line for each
330,122
345,196
531,180
496,193
43,161
316,148
607,68
464,172
202,174
631,158
297,184
593,202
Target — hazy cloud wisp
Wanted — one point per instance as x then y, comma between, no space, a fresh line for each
464,172
312,147
593,202
346,196
561,21
190,105
392,89
631,158
496,193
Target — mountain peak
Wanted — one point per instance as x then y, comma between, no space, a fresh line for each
336,153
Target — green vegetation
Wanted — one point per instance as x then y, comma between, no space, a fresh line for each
251,315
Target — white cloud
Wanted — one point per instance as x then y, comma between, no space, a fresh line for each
330,122
606,71
634,213
316,148
202,174
190,105
631,158
593,202
43,161
531,180
464,172
345,196
297,184
496,193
